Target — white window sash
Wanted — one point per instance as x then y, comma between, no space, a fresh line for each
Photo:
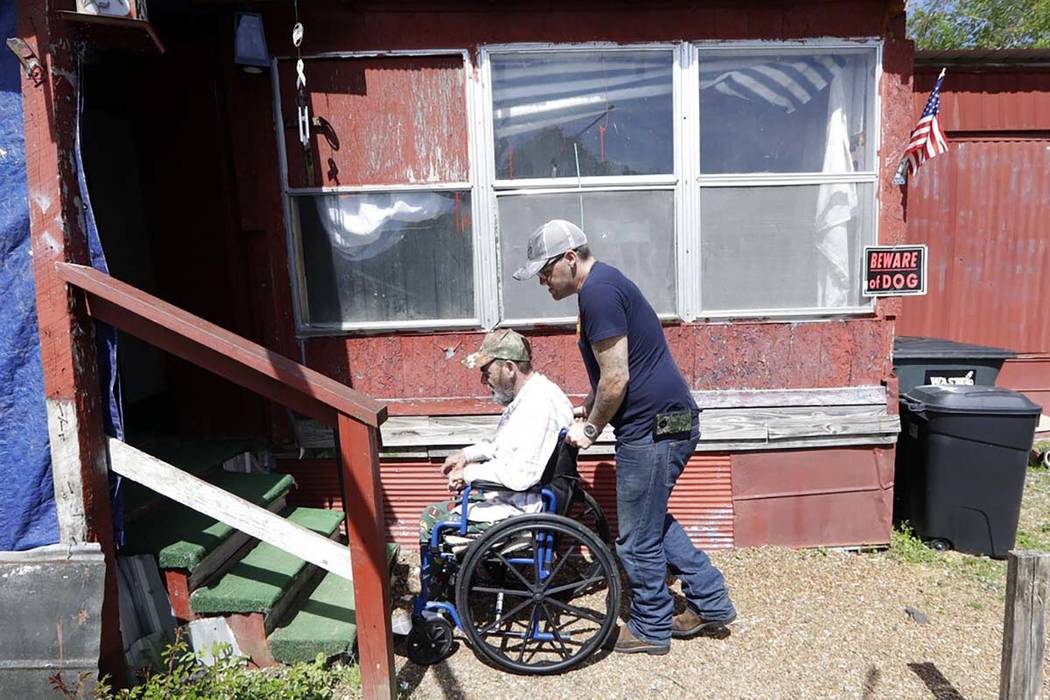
686,181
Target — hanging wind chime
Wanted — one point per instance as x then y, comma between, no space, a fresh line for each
302,106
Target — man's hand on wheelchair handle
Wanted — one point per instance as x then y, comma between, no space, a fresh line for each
576,436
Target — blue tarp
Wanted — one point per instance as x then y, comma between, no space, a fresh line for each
27,501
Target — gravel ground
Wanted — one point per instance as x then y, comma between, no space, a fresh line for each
813,624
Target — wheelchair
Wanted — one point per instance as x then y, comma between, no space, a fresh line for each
536,594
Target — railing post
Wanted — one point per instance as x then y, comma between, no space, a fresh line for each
67,343
1024,628
363,504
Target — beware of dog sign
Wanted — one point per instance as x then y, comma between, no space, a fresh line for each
894,270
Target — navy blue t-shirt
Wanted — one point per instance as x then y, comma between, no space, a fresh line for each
612,305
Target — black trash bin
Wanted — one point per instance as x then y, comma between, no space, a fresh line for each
961,461
919,361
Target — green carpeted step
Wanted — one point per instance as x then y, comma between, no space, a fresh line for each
258,581
181,537
325,622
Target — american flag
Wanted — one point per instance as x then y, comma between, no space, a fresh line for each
927,139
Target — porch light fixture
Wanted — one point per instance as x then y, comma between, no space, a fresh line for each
249,43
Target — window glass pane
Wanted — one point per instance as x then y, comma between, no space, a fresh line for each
610,110
399,256
634,231
787,112
784,247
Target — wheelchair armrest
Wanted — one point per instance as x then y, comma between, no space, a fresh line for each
481,485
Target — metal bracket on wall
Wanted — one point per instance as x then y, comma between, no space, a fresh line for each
30,63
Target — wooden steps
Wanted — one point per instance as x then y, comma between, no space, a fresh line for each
277,607
324,623
191,547
259,581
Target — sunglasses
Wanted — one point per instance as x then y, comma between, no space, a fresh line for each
545,271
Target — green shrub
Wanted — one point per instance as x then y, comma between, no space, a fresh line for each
185,677
905,546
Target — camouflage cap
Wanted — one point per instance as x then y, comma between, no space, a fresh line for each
502,345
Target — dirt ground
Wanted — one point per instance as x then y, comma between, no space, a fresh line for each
813,623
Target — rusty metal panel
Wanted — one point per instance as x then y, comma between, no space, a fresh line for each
833,497
996,100
702,501
386,121
1030,376
983,209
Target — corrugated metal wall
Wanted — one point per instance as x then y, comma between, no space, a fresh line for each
702,502
983,208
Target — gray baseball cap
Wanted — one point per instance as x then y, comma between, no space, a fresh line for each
555,237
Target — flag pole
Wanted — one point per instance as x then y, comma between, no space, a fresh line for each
901,176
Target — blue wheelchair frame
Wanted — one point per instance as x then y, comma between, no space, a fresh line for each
541,560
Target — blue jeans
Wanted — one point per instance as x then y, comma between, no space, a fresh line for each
651,540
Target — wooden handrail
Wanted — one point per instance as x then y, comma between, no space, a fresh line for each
256,521
355,417
203,343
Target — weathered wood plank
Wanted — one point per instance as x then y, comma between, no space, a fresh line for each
1024,627
235,511
798,443
756,398
730,420
794,422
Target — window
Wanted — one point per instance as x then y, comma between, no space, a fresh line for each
786,171
387,256
380,204
727,179
586,136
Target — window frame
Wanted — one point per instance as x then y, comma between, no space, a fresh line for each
857,46
296,260
493,188
686,181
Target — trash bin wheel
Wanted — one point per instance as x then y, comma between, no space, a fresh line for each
939,545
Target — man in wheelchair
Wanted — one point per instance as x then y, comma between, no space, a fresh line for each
533,591
536,411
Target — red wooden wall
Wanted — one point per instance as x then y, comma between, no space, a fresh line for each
416,371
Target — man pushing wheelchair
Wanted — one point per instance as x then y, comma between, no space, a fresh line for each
538,592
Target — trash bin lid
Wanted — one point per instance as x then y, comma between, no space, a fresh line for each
914,347
951,398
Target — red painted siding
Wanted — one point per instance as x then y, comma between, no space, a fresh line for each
838,497
702,501
392,121
1029,375
711,356
982,209
972,99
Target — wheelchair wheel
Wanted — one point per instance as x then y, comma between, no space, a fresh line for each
586,511
429,641
556,604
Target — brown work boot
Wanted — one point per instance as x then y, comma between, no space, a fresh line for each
687,623
627,643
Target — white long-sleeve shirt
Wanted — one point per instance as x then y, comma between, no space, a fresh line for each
517,454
